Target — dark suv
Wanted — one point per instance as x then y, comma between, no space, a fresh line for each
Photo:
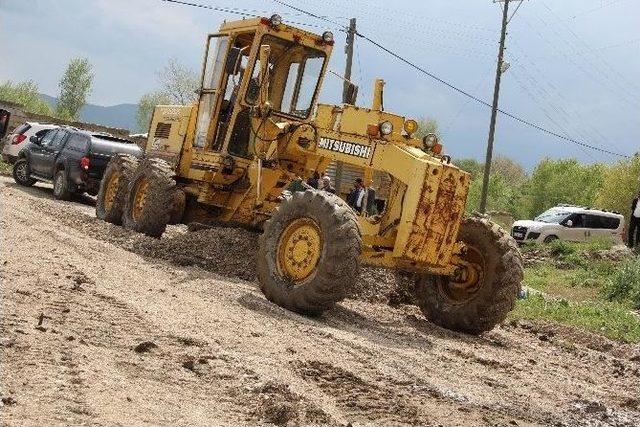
74,160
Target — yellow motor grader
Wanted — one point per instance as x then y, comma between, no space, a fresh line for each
257,128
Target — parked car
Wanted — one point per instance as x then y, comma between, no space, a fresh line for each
19,139
74,160
571,223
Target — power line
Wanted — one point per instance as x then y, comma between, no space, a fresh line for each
323,18
514,12
418,68
234,10
595,9
486,104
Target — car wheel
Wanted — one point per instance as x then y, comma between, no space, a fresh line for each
21,174
61,190
550,239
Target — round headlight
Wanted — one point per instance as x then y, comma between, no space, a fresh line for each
429,141
327,37
410,126
386,128
275,20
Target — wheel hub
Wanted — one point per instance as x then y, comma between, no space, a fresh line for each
111,191
468,278
140,198
21,171
299,250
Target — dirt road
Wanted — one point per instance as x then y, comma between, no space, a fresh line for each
101,326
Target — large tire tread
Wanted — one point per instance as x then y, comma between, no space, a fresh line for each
160,200
125,165
339,264
494,300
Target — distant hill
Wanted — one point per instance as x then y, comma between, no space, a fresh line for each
120,116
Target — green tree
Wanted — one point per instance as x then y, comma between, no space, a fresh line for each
502,196
178,85
145,108
621,184
511,170
75,86
26,94
562,181
472,166
425,126
178,82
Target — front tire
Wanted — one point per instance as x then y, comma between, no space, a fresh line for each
113,188
309,253
150,198
61,186
483,295
21,174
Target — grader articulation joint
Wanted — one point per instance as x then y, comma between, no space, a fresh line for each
257,127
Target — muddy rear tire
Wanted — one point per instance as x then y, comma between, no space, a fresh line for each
481,307
113,188
309,253
150,198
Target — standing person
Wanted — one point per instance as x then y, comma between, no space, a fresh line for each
314,181
372,208
356,196
634,223
325,185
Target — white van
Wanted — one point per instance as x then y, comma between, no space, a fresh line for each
571,223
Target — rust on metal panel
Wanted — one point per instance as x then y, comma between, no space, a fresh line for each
435,226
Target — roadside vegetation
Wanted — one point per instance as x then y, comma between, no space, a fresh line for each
592,286
75,86
5,168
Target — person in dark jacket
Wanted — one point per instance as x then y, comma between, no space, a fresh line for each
355,198
634,223
314,181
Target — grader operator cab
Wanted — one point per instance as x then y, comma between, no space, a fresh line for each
256,128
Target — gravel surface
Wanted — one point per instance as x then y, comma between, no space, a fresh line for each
101,326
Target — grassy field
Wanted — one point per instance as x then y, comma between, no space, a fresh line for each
583,285
5,168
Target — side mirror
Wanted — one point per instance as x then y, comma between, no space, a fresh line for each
351,94
34,139
233,61
569,223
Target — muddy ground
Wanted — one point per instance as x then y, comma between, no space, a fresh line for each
101,326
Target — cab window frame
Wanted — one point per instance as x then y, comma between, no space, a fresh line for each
298,77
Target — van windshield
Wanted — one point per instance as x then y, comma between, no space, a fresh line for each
552,216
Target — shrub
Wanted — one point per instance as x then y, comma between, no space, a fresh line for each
624,284
562,248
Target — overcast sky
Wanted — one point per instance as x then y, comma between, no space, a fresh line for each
575,64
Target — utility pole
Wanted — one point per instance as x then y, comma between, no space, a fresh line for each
494,110
348,49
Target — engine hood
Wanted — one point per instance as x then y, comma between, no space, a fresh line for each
530,224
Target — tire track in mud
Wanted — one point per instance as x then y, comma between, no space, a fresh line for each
375,365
